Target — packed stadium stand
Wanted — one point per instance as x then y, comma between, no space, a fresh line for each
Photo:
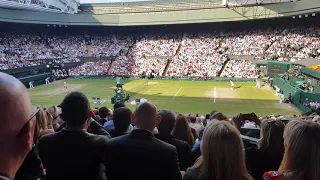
134,139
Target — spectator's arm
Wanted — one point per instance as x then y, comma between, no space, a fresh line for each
175,170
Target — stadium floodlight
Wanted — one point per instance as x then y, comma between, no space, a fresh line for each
313,14
293,17
306,15
300,16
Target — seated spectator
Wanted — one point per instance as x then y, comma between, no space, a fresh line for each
104,113
182,130
109,124
269,153
222,155
121,120
17,126
165,128
139,155
73,153
195,125
55,112
301,157
214,115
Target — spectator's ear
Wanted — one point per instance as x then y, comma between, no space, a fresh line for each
158,120
133,118
25,136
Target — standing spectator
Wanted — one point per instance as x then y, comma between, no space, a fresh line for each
139,155
121,120
73,153
17,126
269,153
182,130
301,157
222,155
165,128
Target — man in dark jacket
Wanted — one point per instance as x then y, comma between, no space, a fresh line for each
73,153
139,155
165,128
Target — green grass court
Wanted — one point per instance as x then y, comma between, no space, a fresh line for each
179,96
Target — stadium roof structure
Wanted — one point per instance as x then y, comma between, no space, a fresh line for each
57,6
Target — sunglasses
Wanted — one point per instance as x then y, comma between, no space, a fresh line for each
35,110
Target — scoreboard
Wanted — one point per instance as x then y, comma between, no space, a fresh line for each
275,68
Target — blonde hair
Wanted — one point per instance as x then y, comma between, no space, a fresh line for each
271,137
223,156
301,158
41,124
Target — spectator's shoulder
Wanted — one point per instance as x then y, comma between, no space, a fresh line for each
165,145
48,137
118,140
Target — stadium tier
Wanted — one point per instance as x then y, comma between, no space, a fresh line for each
233,100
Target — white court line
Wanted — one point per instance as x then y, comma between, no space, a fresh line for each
177,93
214,94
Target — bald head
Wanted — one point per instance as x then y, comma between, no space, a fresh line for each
146,116
16,131
15,105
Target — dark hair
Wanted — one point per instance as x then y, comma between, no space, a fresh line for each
193,119
182,130
122,119
103,112
118,105
166,125
75,109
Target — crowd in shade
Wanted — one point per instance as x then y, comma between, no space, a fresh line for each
73,141
90,69
192,54
123,66
240,69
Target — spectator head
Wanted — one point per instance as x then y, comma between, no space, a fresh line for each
146,116
217,116
121,119
118,105
17,126
104,112
166,125
55,112
271,136
76,110
193,119
222,153
182,130
301,158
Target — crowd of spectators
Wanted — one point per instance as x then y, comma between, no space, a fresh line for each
71,141
90,69
199,56
59,74
193,55
240,69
